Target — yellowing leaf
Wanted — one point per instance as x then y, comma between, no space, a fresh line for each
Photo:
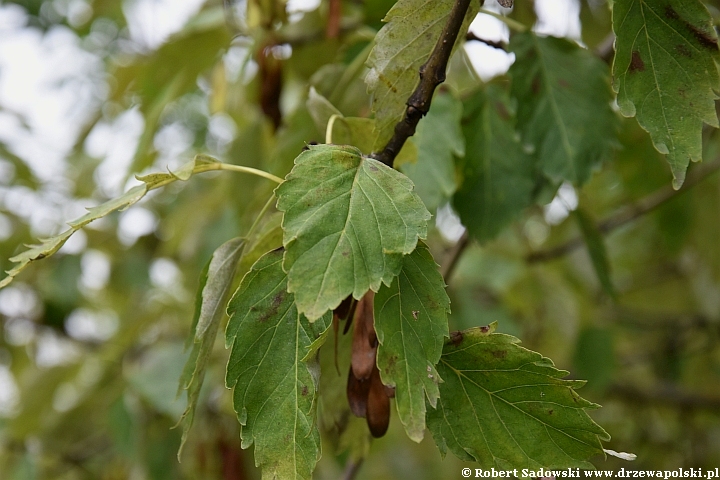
401,47
150,182
215,284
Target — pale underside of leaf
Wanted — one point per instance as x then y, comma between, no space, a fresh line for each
401,47
665,71
507,407
564,111
411,324
274,390
348,220
52,244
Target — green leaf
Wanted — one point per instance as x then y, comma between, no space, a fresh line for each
498,177
50,245
596,249
665,72
320,109
564,110
348,220
274,390
215,283
411,324
439,139
504,406
401,47
360,132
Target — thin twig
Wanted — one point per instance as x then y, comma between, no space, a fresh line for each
632,212
452,257
491,43
432,74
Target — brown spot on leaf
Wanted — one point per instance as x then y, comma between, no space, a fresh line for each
683,50
550,412
304,391
274,306
636,63
415,314
456,338
536,84
387,82
485,329
499,353
705,38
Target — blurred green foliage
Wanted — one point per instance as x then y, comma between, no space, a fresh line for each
93,337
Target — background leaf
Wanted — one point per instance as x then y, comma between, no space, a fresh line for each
498,177
215,283
596,249
438,139
564,112
150,182
411,324
273,389
348,221
507,407
666,74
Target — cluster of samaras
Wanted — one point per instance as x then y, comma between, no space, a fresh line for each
367,396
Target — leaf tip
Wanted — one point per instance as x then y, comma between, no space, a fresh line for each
621,455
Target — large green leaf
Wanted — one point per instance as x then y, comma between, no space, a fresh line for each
564,109
498,176
507,407
348,220
401,47
274,390
411,324
215,283
666,74
51,245
439,139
